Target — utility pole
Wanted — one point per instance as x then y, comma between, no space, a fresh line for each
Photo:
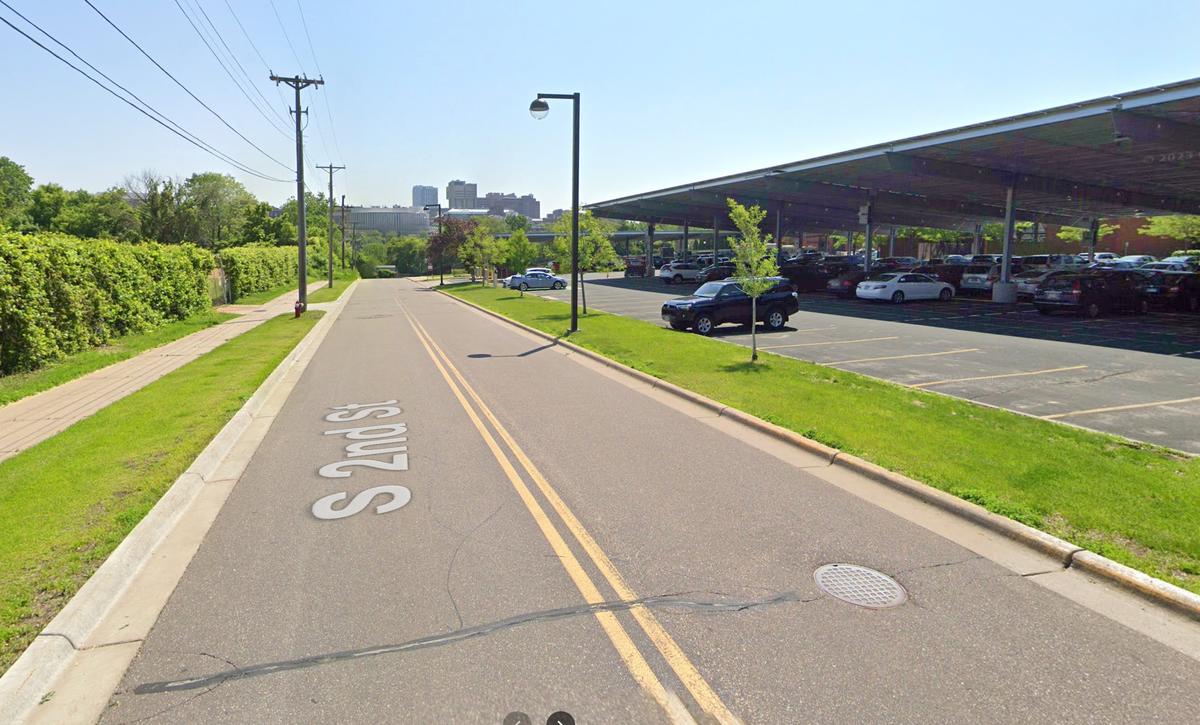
298,83
343,231
330,168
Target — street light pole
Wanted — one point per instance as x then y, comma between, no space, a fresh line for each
441,242
538,109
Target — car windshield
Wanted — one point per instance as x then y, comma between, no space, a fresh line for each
709,289
1060,282
883,277
979,269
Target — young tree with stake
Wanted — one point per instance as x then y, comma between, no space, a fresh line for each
753,261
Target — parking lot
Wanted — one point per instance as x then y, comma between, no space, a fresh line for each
1129,375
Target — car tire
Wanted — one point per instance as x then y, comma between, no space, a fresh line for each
523,287
1091,310
775,319
1044,310
677,279
945,295
703,325
558,285
897,297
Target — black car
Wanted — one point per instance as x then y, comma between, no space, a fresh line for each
844,284
715,272
807,277
1174,290
1090,294
715,303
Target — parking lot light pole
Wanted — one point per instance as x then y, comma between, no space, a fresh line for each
441,242
538,109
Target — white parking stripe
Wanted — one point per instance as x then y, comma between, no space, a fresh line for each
902,357
996,377
828,342
1115,408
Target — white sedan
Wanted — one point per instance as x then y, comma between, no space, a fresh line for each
1028,282
534,280
900,286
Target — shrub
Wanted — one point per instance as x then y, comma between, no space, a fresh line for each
256,269
60,294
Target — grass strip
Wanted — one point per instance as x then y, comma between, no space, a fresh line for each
341,280
67,502
1135,503
21,385
265,296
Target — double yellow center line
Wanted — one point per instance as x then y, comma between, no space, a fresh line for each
701,691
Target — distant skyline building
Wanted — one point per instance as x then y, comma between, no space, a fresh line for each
461,195
387,220
422,195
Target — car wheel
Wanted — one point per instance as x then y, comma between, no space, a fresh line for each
1044,310
559,285
1091,310
677,279
703,325
522,286
945,295
897,297
776,319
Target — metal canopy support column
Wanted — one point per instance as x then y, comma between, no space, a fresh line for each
685,241
977,241
864,218
1004,290
1093,237
778,234
649,249
716,234
892,242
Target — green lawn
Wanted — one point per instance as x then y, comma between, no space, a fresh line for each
1137,504
258,298
341,280
68,501
20,385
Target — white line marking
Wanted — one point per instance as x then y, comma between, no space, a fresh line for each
994,377
1115,408
828,342
902,357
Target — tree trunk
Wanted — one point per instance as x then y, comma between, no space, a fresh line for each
753,329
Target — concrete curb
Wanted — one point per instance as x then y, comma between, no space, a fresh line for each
39,667
1066,553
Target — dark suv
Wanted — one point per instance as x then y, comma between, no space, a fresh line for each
1177,290
1093,293
715,303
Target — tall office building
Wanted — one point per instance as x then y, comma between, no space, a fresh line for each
423,195
461,195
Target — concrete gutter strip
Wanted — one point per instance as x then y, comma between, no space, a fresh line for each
1066,553
51,652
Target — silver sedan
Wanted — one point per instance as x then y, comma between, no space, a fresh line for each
535,280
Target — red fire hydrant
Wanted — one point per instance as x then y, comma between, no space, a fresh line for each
299,307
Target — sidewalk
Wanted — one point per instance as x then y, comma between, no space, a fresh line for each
32,420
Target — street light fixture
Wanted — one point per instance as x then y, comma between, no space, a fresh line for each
539,110
441,243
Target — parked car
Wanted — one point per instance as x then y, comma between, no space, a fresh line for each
957,259
1050,261
981,277
951,272
534,280
1091,294
1165,266
678,272
805,277
1029,280
1174,290
897,262
844,284
986,258
1191,260
900,286
715,273
1137,260
716,303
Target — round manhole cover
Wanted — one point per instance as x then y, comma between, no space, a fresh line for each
860,585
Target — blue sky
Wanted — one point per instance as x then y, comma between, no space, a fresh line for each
672,91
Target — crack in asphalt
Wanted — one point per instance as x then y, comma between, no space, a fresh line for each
210,682
454,558
938,566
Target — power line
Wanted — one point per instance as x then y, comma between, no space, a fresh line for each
250,40
198,144
233,56
226,69
287,37
325,99
181,85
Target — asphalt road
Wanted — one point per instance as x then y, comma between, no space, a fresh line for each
1133,376
540,495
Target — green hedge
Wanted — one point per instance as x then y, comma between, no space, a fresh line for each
60,294
257,269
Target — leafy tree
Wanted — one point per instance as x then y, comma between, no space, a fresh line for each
516,221
520,252
218,204
258,228
753,262
407,254
478,251
14,192
162,212
45,204
1185,228
444,247
107,214
1077,235
596,252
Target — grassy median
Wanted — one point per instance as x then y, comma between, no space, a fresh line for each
341,280
19,385
1137,504
67,502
